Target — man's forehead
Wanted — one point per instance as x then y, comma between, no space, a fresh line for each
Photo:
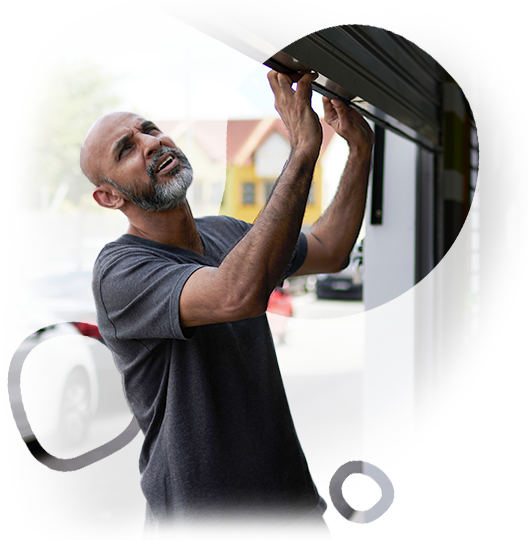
101,137
113,125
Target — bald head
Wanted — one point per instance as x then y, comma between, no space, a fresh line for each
131,161
99,139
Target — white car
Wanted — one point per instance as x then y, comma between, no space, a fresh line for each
48,384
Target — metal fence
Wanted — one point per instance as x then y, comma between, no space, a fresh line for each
29,238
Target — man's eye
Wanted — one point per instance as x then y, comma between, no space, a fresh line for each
124,149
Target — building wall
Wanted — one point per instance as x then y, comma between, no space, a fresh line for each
233,177
205,194
333,163
314,206
247,211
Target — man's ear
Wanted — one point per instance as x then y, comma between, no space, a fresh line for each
108,197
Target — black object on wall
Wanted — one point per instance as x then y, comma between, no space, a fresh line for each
376,214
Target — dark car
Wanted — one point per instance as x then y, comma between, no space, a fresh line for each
65,289
344,285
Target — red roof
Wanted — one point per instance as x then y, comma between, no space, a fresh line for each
168,126
207,133
243,138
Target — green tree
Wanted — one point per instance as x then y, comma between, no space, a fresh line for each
47,103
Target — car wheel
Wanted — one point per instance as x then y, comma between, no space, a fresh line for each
75,407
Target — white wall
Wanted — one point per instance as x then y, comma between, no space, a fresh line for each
271,156
388,377
332,164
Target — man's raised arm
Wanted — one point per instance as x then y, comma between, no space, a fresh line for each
333,236
240,287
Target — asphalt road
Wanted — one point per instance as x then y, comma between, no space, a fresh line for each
92,492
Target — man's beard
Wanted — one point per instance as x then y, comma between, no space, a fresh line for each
160,197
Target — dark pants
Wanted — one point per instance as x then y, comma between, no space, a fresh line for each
319,531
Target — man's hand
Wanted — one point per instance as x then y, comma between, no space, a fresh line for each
332,237
295,109
348,123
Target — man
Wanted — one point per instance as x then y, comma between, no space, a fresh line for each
181,303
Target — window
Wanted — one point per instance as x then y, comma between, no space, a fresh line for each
216,193
248,193
268,187
198,192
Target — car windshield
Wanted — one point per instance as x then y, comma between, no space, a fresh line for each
71,285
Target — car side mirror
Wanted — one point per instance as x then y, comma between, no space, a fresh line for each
37,321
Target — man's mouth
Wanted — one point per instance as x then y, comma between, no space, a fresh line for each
165,163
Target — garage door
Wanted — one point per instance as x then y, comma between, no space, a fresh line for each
384,53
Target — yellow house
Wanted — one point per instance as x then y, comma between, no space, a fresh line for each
236,164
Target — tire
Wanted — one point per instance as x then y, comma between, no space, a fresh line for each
75,407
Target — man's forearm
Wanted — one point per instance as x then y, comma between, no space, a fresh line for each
333,236
240,287
260,258
338,228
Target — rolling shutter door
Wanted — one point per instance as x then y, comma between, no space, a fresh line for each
385,52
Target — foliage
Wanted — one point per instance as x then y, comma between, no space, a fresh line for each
47,103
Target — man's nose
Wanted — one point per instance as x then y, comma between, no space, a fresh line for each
151,144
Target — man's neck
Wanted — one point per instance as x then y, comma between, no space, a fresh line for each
174,228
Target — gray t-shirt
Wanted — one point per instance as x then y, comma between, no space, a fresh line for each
219,437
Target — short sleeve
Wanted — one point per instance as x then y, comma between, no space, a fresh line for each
139,296
137,289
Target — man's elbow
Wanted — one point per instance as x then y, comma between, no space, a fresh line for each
246,306
336,264
344,263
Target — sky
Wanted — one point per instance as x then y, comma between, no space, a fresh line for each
149,48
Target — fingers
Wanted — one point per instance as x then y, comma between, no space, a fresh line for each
343,112
347,122
273,79
277,79
328,107
281,85
294,107
284,81
304,85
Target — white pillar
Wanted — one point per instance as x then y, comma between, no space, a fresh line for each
389,251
